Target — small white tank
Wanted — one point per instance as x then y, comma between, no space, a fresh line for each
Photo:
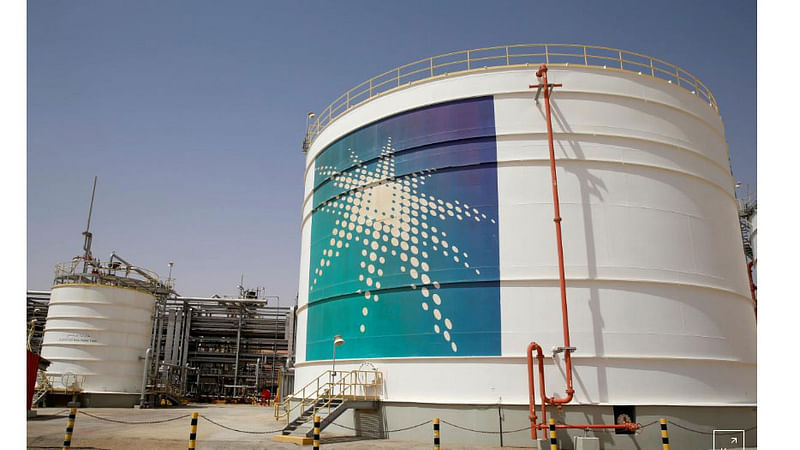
97,335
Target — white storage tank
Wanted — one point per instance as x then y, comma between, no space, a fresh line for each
428,240
99,326
99,333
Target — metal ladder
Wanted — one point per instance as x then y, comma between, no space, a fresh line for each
43,386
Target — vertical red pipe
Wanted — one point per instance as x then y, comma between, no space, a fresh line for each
630,426
531,389
542,73
532,404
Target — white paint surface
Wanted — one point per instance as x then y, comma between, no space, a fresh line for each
657,285
99,332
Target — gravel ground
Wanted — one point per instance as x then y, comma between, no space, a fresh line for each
46,431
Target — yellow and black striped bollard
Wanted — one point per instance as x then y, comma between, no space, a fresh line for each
436,433
553,440
193,432
664,435
436,441
70,427
316,432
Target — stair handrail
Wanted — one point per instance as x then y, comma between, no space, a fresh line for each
303,393
329,386
42,387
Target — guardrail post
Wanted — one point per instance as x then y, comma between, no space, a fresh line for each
193,431
553,438
70,427
436,441
664,435
316,432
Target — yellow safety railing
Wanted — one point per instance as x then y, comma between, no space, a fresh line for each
66,383
554,55
338,385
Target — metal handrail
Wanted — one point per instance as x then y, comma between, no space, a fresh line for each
60,382
81,271
70,383
72,268
346,385
575,55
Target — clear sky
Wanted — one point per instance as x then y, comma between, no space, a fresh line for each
191,113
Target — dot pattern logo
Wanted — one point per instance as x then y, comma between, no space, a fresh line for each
404,257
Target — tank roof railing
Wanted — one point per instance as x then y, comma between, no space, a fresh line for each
110,273
518,55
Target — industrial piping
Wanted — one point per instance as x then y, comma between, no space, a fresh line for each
541,74
630,426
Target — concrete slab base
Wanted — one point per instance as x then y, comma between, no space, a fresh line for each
586,443
31,413
299,440
542,444
480,424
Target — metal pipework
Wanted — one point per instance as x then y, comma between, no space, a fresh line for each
136,269
630,426
217,300
541,74
236,364
144,375
567,348
258,366
87,242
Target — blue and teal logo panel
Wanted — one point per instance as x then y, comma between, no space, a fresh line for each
404,237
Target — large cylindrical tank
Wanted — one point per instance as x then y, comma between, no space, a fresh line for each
428,240
98,335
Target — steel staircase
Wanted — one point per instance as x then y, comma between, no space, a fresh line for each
62,384
42,387
305,420
327,396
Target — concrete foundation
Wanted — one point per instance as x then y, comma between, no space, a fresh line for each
480,425
586,443
92,400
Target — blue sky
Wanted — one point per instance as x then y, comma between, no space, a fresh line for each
191,113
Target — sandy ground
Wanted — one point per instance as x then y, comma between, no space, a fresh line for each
46,431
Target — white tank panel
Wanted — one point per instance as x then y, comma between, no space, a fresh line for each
657,289
100,333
